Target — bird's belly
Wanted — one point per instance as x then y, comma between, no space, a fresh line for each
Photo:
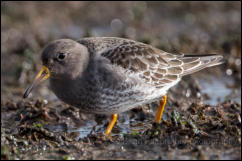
111,101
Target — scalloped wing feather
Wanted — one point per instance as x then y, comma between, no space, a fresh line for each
154,66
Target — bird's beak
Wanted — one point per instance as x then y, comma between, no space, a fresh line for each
42,75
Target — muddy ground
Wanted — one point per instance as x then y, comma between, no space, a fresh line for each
202,118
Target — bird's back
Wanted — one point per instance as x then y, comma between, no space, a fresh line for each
152,65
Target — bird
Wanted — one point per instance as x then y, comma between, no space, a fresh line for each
110,75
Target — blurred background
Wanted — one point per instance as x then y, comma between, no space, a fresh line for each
175,27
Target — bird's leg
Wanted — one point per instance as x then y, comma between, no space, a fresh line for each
111,124
160,110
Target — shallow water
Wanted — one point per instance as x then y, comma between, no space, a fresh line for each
82,131
218,89
124,125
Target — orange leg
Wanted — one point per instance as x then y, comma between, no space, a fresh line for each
111,124
160,110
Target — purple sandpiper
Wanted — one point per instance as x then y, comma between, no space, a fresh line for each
109,75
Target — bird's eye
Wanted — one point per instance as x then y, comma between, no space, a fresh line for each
61,56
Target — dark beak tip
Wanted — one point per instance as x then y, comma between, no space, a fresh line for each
25,95
28,90
42,75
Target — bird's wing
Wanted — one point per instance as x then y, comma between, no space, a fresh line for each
154,66
194,63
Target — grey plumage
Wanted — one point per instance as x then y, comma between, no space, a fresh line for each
110,75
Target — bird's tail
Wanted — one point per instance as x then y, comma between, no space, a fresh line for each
194,63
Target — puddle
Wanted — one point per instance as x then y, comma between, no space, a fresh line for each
218,90
124,125
83,131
